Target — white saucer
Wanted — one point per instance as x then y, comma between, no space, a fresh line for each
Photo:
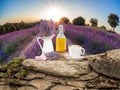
67,56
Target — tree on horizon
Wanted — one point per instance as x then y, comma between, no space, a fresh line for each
113,20
64,20
94,22
79,21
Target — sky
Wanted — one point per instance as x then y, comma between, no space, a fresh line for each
34,10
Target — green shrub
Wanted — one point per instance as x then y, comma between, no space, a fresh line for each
103,27
22,41
10,48
13,69
1,60
79,21
64,20
96,47
80,39
111,31
0,43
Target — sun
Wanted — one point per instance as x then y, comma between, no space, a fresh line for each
54,13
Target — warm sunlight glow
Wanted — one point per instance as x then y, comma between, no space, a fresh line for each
53,13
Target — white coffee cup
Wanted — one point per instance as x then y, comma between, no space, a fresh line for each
76,51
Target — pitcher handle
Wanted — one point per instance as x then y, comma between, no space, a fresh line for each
39,42
52,36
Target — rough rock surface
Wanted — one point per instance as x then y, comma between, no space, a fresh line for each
89,76
103,82
5,87
94,72
109,64
59,68
41,84
61,87
27,88
34,75
76,83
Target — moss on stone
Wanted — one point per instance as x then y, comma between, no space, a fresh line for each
12,70
21,73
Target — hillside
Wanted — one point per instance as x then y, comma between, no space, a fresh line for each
23,42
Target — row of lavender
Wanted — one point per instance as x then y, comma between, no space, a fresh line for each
16,41
93,40
46,29
35,50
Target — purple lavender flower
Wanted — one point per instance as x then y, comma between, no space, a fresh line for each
93,40
46,28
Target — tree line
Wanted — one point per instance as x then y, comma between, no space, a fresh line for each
10,27
113,21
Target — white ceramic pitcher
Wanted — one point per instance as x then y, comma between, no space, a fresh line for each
47,44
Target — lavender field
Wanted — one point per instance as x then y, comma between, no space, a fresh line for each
93,40
24,41
13,43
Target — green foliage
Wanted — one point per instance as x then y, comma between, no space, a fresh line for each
87,24
4,30
16,62
22,41
33,33
107,46
0,42
10,27
94,22
80,39
3,75
94,45
10,48
64,20
111,31
0,29
13,69
103,27
21,73
2,55
98,47
113,20
1,60
79,21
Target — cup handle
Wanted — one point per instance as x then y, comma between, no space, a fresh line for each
83,51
